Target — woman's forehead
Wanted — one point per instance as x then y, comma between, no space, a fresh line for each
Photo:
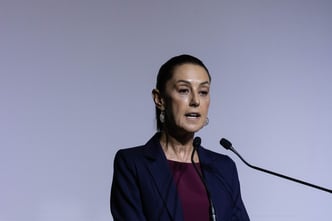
190,72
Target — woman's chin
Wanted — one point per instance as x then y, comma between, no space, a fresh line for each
193,128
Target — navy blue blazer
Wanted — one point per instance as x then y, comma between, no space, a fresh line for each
143,188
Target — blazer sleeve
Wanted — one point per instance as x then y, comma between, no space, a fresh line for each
125,200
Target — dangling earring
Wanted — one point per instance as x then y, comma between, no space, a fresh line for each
206,121
162,117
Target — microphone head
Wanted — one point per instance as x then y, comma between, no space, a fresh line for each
197,142
226,143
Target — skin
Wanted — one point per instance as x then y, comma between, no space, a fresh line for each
187,92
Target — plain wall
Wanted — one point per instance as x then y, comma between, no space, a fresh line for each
75,86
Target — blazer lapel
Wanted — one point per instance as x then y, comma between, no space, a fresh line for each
215,181
163,179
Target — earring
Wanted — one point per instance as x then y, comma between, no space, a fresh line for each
162,117
206,121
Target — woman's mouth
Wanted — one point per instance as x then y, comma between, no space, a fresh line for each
193,115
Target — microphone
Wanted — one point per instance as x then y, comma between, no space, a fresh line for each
228,145
196,143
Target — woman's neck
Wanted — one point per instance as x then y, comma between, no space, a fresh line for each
178,148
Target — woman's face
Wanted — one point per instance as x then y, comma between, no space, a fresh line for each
187,98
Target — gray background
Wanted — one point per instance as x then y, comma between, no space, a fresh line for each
75,86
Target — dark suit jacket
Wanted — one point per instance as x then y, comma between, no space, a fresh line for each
143,187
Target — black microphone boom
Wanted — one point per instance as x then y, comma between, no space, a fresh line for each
212,213
228,145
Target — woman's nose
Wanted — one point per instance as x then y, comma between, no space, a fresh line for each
194,100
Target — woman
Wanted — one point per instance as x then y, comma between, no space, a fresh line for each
168,178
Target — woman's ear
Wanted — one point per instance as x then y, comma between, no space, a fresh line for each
158,100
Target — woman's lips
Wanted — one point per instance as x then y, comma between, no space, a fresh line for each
193,115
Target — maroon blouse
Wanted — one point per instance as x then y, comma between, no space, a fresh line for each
191,190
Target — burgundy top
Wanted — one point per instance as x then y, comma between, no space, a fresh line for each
191,190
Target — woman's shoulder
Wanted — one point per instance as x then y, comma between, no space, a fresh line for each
128,151
215,157
131,148
139,150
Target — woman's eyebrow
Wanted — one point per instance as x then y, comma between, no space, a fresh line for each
188,82
183,81
205,82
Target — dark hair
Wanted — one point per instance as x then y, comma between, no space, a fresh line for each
166,72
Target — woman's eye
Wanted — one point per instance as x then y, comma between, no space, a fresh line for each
204,93
183,91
